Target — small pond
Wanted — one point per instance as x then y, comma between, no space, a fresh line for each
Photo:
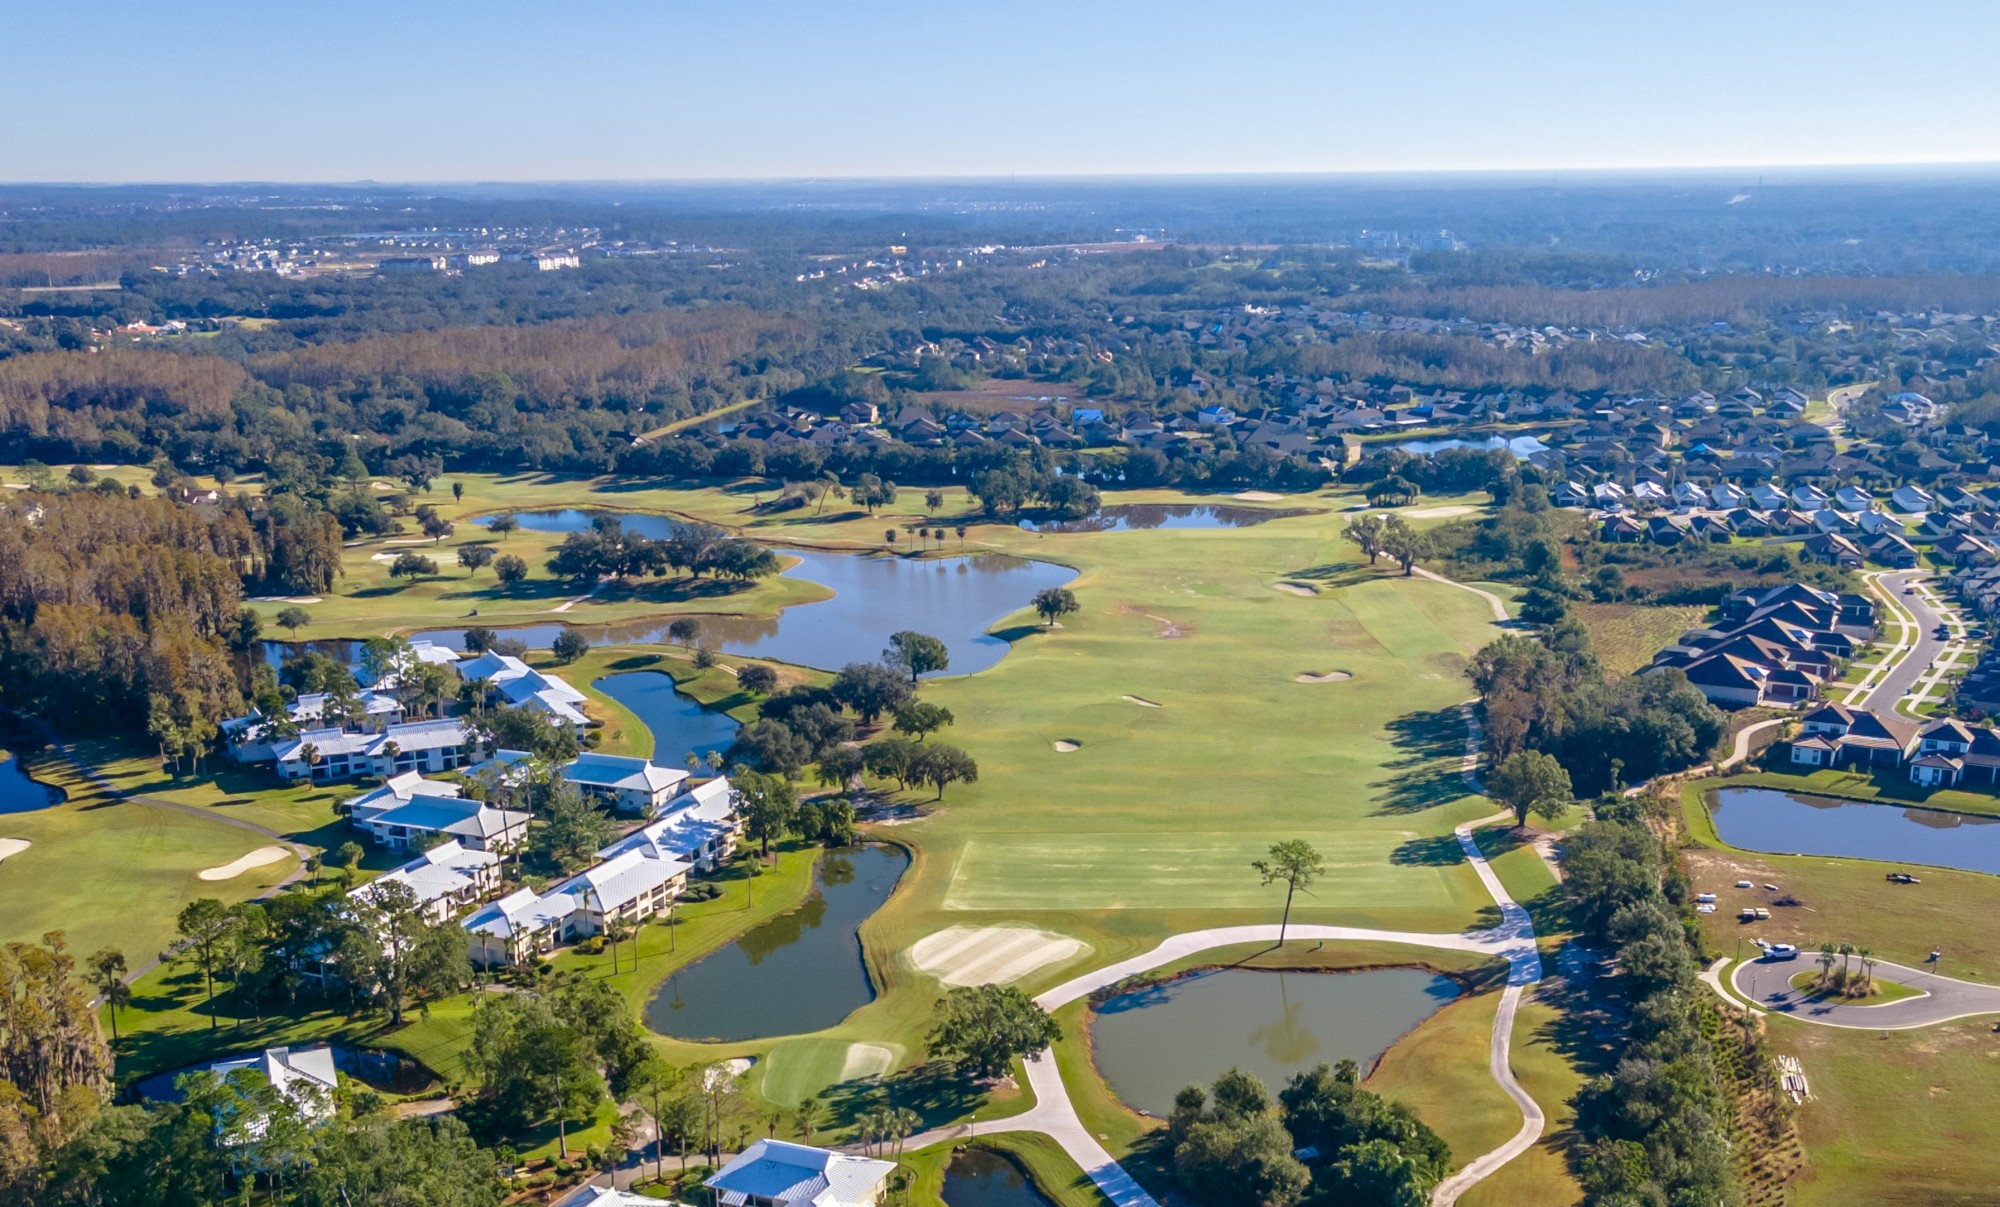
1129,517
1789,823
801,971
1522,447
978,1177
1154,1040
955,599
679,724
20,792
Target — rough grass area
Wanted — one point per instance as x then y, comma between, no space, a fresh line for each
1626,636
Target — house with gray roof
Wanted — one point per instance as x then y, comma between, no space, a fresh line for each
774,1173
631,785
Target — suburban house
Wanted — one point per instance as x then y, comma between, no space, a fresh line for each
446,878
1835,735
409,810
774,1173
336,754
1773,646
631,785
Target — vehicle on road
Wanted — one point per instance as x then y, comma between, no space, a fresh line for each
1781,951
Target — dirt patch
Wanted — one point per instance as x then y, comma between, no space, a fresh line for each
1168,629
1296,588
258,858
13,846
1256,496
1321,677
1143,702
1066,746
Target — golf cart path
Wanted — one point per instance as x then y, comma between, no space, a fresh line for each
1499,605
1513,940
1768,983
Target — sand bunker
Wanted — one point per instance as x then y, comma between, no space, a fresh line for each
286,599
236,867
1143,702
1065,746
1256,496
991,955
867,1060
1296,588
1439,513
726,1070
1322,677
12,846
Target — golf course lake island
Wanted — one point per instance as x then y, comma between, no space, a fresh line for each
21,792
1791,823
1144,517
679,724
956,599
979,1177
1151,1041
801,971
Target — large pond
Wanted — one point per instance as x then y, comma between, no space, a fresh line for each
1152,1041
1522,447
21,793
1787,823
801,971
978,1177
679,724
955,599
1129,517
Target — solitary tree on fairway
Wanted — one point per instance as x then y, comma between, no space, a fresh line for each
473,557
1295,862
1054,603
685,631
501,525
294,618
510,569
986,1026
205,926
757,679
1366,531
917,653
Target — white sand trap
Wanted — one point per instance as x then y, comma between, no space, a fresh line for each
1322,677
866,1060
1143,702
1257,496
1065,746
991,955
289,599
236,867
380,486
726,1070
1296,588
13,846
1439,513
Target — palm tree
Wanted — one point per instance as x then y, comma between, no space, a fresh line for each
811,1112
107,976
902,1123
1826,959
1867,955
1846,953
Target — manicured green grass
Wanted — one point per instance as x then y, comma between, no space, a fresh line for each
1544,1062
115,874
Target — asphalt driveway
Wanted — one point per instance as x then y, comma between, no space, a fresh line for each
1768,983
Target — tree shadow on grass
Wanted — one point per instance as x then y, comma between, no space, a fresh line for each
1336,574
1427,770
938,1092
1436,851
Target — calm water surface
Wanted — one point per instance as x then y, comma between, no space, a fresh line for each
1152,1041
801,971
1129,517
977,1177
1787,823
679,724
18,792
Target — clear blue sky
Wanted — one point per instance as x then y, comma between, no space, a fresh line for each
437,90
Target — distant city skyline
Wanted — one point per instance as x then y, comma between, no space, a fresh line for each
221,90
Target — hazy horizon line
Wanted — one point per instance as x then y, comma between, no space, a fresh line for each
1941,165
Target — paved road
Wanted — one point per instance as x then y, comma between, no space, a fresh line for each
1926,645
1768,983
